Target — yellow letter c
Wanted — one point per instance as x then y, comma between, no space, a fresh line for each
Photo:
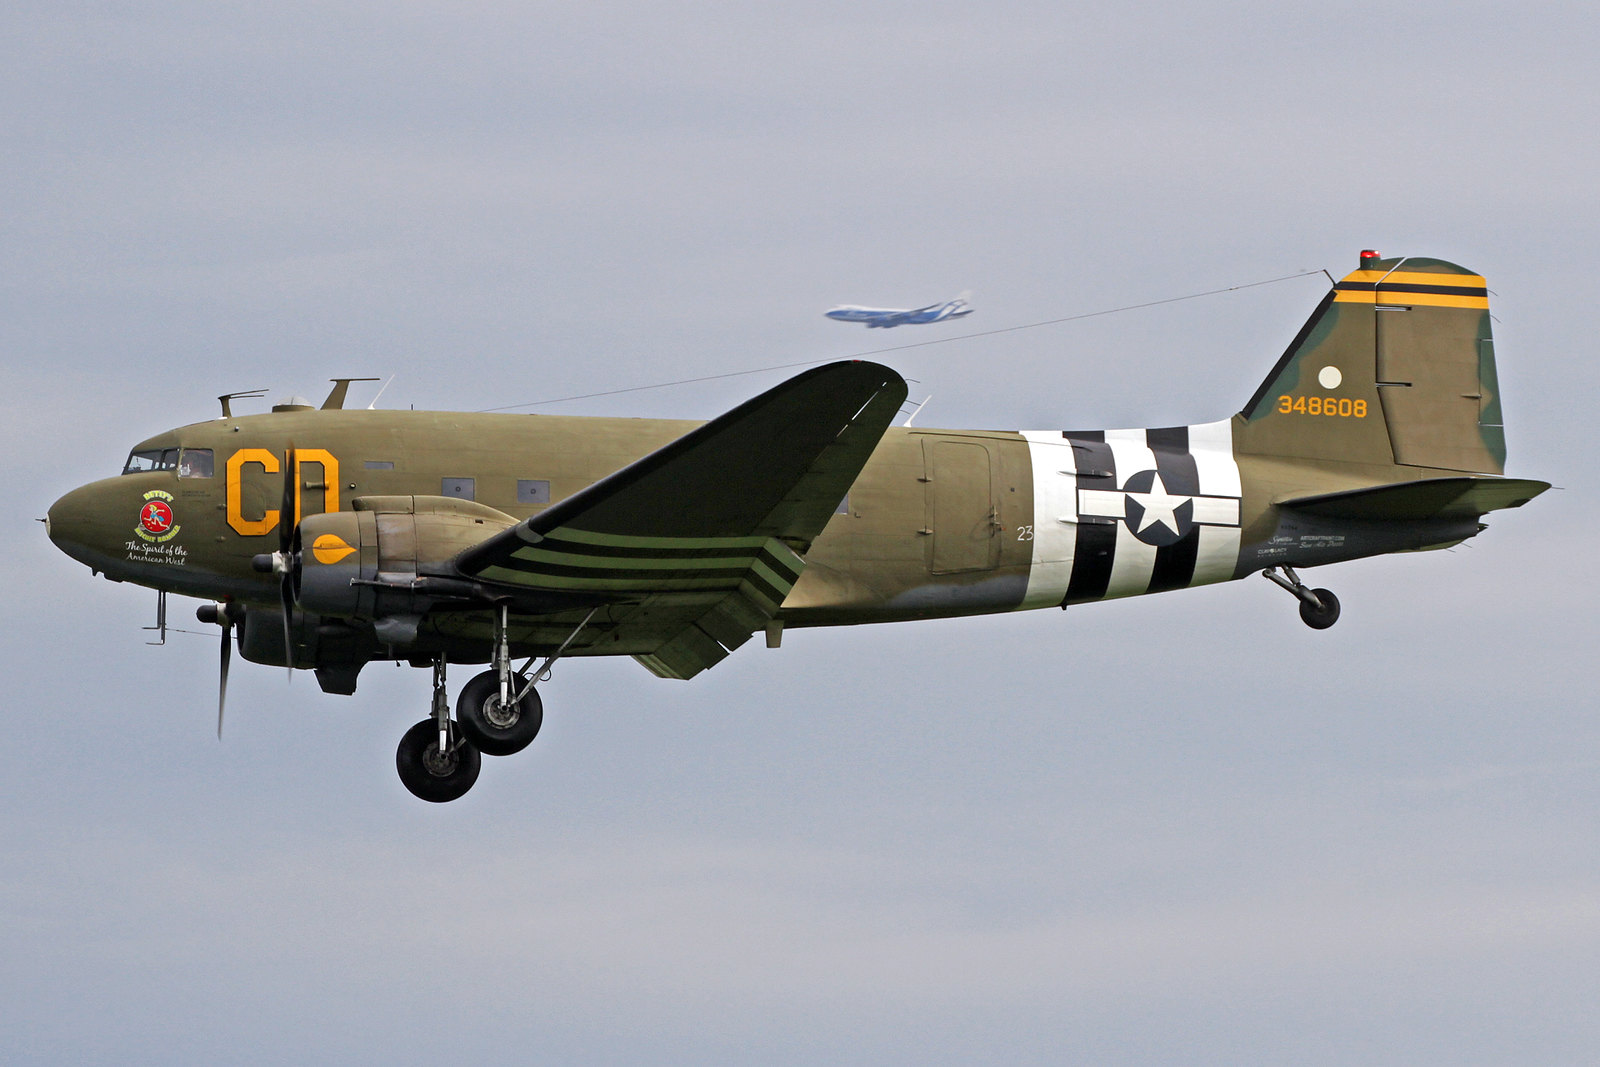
236,519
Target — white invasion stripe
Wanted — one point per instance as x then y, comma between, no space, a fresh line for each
1055,510
1216,510
1211,444
1133,565
1103,503
1208,510
1134,561
1218,555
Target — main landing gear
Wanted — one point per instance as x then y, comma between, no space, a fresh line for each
498,713
1319,608
439,758
435,761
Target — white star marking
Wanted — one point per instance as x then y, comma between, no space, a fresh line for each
1159,506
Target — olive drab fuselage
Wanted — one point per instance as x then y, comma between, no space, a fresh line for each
438,537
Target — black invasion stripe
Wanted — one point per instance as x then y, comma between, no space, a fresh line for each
1174,567
783,565
1096,543
633,574
1171,438
1410,287
557,543
574,563
773,594
728,579
648,580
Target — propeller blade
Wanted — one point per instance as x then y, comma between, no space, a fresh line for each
286,527
286,516
222,685
286,601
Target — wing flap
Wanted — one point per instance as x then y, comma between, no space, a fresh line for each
684,655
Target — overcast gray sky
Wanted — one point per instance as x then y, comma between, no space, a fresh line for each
1178,829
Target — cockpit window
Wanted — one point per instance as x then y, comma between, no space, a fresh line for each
188,462
155,459
195,463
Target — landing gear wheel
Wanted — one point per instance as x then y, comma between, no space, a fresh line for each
431,775
494,728
1320,618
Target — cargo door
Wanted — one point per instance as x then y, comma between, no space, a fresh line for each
962,510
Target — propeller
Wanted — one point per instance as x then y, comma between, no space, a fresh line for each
223,615
222,681
282,561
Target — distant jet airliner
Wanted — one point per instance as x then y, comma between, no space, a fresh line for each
886,317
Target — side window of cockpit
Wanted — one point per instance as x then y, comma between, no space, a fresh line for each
155,459
195,463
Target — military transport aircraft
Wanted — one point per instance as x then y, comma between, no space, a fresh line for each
883,318
326,539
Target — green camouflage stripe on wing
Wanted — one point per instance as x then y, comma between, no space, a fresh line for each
763,566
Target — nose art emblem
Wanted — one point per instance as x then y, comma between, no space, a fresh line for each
330,549
156,520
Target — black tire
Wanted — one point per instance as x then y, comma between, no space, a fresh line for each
1320,618
496,731
425,774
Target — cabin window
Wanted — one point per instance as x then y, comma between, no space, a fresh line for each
533,491
379,464
461,488
195,463
152,459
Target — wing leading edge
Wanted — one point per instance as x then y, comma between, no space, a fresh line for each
697,544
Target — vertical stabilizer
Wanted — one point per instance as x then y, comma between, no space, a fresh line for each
1396,366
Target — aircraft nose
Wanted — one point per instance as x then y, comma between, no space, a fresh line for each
75,523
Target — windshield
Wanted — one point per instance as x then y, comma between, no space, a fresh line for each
188,462
155,459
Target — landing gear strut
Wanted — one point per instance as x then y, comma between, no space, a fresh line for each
500,712
436,763
1319,608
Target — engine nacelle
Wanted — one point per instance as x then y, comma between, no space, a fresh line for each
364,563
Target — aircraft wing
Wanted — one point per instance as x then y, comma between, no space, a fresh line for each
696,545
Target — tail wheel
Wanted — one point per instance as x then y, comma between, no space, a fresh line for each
495,728
1321,613
433,775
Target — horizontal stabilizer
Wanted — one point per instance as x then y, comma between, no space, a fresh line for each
1430,498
